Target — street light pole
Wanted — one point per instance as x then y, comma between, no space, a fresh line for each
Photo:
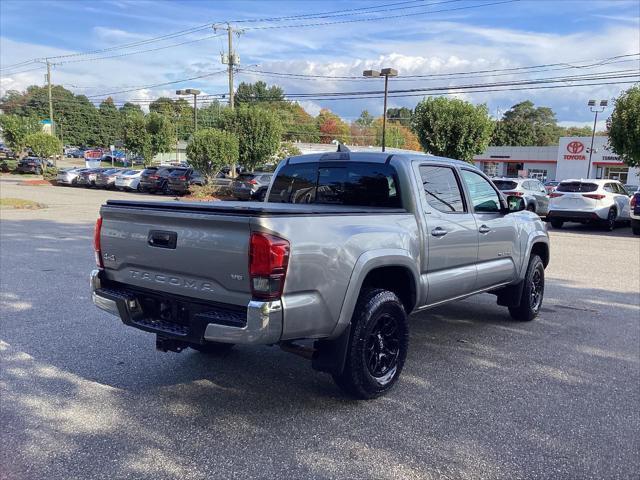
596,110
386,73
195,92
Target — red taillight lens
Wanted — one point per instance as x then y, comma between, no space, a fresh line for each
595,196
633,201
268,262
517,194
96,243
182,178
252,182
554,195
153,177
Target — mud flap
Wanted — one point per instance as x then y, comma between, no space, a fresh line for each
510,295
330,355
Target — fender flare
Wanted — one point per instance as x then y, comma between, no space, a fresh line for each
368,261
534,237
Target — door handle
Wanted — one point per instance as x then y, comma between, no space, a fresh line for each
484,229
162,239
439,232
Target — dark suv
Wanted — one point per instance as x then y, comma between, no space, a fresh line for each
251,186
155,179
32,165
181,178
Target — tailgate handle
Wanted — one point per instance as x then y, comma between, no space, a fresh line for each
162,239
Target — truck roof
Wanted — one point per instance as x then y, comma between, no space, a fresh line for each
373,157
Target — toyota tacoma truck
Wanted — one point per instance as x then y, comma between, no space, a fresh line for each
344,248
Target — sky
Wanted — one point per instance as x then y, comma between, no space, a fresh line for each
420,37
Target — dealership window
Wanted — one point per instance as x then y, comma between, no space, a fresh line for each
616,173
490,168
513,168
538,174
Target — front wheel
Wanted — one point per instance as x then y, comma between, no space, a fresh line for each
377,347
610,222
532,292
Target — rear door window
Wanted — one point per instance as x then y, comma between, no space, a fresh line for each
483,197
442,189
577,187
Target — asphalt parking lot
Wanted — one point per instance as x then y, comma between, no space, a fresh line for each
481,396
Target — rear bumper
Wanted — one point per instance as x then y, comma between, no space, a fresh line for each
243,194
260,325
179,187
578,215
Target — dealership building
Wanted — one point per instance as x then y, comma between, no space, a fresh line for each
568,159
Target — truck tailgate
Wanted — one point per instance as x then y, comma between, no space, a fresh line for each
196,254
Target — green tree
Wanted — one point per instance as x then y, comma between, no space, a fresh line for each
16,129
526,125
365,119
624,126
162,133
578,132
108,126
401,115
136,138
210,149
258,130
130,109
451,127
43,144
287,149
251,93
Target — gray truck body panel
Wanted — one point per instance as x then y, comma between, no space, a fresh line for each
333,249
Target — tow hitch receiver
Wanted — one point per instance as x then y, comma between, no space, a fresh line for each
165,344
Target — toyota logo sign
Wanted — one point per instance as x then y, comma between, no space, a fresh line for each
575,147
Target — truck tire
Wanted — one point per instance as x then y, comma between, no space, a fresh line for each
532,293
213,348
378,345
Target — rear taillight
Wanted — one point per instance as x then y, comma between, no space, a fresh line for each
182,178
153,177
554,195
252,182
633,201
268,261
517,194
595,196
96,243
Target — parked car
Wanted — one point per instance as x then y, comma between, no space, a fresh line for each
128,180
631,189
384,236
182,178
88,177
107,178
589,201
551,186
251,186
74,153
634,212
33,165
69,176
531,190
155,179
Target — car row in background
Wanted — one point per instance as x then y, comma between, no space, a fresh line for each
530,190
33,165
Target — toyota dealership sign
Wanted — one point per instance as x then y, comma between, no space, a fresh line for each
575,151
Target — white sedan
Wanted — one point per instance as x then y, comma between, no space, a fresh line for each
129,180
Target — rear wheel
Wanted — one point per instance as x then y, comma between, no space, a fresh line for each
532,293
213,348
610,222
165,189
531,207
557,223
377,347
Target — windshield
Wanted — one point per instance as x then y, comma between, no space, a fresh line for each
578,187
505,184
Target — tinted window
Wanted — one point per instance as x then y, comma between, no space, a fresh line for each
610,187
483,197
505,184
577,187
245,177
178,172
442,189
344,183
295,184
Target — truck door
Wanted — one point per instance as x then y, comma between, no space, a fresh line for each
451,235
498,239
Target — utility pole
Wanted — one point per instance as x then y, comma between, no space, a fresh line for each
53,131
230,60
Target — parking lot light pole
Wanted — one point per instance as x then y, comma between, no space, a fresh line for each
195,92
596,110
386,73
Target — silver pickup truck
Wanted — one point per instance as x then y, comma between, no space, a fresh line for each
344,248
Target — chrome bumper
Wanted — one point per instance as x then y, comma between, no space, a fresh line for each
263,326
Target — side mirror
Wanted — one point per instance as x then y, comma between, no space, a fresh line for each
515,203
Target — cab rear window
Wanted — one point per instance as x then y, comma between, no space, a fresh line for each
337,183
505,184
579,187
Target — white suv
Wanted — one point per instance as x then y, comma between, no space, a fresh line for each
584,201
